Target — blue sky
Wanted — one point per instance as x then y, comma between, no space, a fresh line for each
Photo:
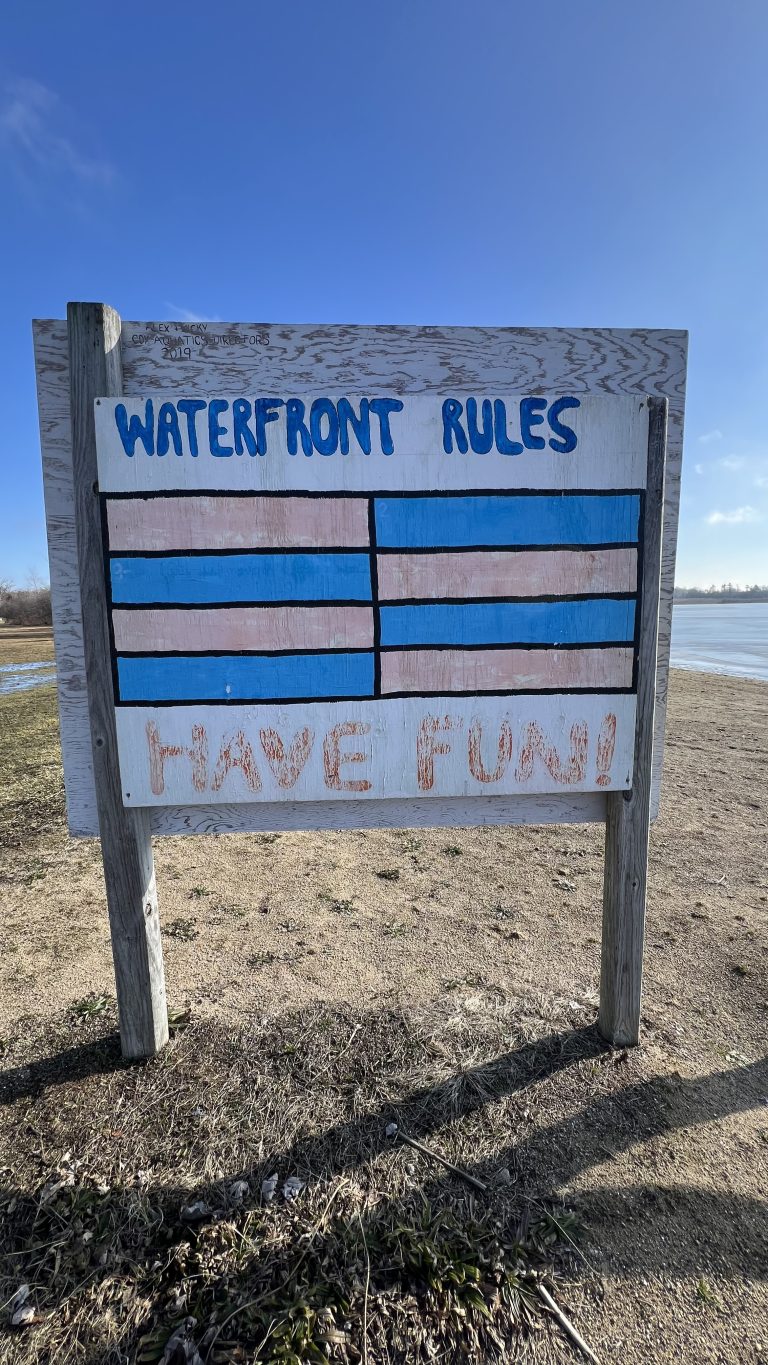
501,162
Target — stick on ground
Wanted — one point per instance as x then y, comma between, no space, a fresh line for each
429,1151
566,1323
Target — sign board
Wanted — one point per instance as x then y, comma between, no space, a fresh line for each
309,577
372,596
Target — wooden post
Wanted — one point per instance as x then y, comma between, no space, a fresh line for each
95,371
628,812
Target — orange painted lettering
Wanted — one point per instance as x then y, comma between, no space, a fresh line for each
333,758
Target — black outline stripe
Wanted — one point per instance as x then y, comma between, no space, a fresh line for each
572,548
358,649
146,494
386,696
385,604
375,597
240,653
217,606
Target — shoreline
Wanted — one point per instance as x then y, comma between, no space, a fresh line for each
717,672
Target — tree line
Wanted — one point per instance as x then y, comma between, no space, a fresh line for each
726,592
30,606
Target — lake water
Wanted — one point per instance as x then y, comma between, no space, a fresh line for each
20,677
724,637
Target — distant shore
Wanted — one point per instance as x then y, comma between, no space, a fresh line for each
719,599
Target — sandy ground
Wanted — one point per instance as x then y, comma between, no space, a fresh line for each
254,925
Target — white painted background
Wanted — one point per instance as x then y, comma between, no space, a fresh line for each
611,451
390,744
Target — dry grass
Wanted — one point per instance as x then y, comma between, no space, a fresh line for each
31,780
134,1208
25,644
456,998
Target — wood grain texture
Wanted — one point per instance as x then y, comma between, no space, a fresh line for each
206,523
433,812
506,573
231,357
628,813
489,670
94,353
185,630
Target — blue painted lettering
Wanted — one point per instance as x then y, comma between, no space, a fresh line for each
503,443
383,407
215,429
452,410
531,410
567,441
480,441
190,407
244,437
323,408
360,425
264,412
136,430
168,427
296,426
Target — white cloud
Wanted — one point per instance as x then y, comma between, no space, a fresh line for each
698,469
738,517
30,120
761,481
709,436
185,315
732,462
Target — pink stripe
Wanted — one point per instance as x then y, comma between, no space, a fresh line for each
237,628
506,573
204,523
491,670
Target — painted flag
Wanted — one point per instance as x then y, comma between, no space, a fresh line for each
286,597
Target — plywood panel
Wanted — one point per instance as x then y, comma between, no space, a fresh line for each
234,358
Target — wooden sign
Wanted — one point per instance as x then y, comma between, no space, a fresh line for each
345,577
383,597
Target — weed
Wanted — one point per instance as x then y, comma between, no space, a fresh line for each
395,929
339,907
178,1018
706,1294
389,874
183,929
34,872
262,959
89,1006
232,909
452,851
198,892
505,912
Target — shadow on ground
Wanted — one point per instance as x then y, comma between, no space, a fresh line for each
159,1216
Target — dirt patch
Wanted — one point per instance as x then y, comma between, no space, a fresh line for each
663,1153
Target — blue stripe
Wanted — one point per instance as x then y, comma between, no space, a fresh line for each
524,519
242,578
496,623
241,677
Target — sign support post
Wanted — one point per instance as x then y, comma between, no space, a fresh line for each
129,874
628,813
